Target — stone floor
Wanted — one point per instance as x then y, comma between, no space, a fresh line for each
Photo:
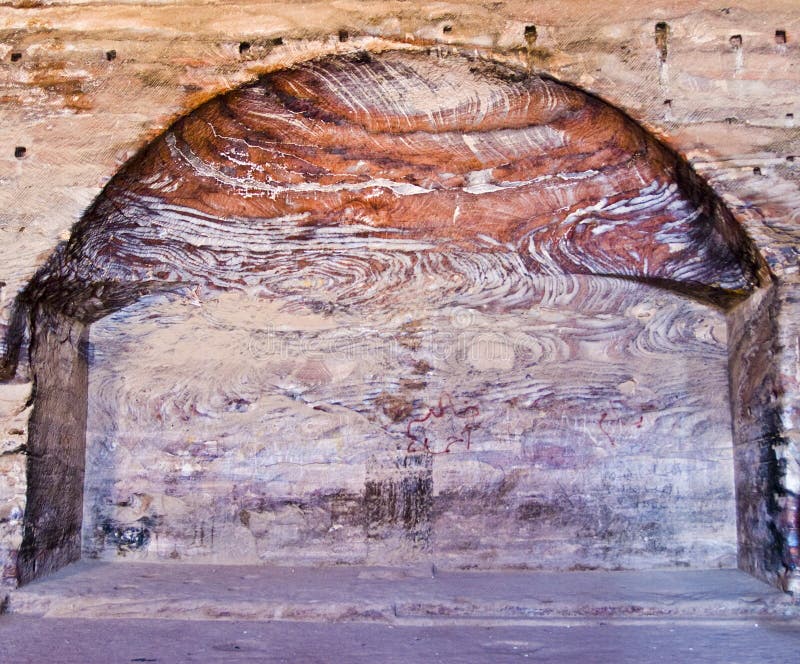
184,613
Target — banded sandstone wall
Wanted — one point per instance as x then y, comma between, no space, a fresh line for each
85,86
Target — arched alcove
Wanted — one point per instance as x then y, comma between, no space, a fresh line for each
485,307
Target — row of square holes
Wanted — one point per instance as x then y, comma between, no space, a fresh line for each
736,40
530,36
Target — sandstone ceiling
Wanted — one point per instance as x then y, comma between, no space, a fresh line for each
361,176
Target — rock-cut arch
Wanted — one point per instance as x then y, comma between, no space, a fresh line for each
361,174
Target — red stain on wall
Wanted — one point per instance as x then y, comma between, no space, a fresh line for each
458,427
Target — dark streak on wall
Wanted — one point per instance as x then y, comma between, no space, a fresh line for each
401,500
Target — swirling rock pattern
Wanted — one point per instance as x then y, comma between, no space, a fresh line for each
356,188
584,426
354,168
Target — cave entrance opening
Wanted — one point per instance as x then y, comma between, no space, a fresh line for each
391,307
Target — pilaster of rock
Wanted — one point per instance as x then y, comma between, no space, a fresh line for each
14,415
788,452
56,442
764,392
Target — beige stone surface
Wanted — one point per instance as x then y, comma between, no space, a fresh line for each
731,107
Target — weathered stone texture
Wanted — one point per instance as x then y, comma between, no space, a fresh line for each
588,426
14,415
729,105
764,371
55,447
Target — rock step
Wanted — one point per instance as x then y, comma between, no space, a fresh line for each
418,595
